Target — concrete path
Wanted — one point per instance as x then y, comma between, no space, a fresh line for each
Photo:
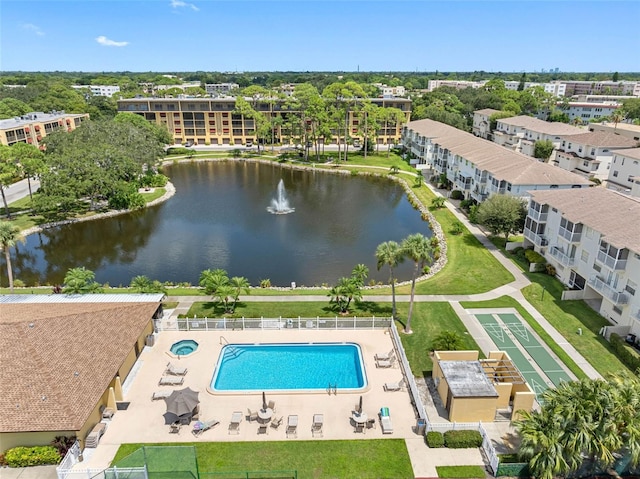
35,472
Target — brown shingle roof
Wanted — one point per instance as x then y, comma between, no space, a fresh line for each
603,210
487,111
502,163
630,153
601,138
58,360
541,126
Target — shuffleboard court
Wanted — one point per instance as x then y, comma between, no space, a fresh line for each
540,355
504,343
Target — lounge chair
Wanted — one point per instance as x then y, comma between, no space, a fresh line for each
93,438
292,426
385,421
252,415
201,426
385,356
175,370
276,423
160,395
386,364
171,381
175,428
316,427
234,425
398,386
272,406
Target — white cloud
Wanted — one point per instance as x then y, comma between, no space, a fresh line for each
180,3
102,40
33,28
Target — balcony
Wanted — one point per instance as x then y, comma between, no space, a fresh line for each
606,290
536,239
562,258
537,216
569,235
481,179
611,262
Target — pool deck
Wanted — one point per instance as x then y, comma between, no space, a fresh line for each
143,421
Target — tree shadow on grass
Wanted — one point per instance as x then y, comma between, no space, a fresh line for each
373,308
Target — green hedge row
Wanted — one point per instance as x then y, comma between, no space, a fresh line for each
627,355
462,439
513,470
435,439
32,456
534,257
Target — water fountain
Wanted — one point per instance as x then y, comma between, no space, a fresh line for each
280,204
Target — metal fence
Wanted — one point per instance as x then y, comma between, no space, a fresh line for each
111,473
487,446
239,324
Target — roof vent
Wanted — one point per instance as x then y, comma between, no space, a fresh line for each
76,374
31,325
44,398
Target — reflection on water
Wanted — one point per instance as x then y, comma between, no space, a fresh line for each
217,219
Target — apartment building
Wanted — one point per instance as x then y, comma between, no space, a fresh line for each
213,121
220,88
589,154
520,133
99,90
624,173
623,129
390,91
33,127
584,112
577,87
480,168
482,123
457,84
588,235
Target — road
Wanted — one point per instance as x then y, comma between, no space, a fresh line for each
19,190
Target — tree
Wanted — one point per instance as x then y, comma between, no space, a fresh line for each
9,236
81,281
418,248
502,214
631,108
448,341
30,160
10,107
240,285
359,273
542,149
142,284
616,117
523,79
390,253
8,174
615,76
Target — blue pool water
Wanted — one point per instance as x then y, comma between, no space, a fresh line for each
281,367
184,347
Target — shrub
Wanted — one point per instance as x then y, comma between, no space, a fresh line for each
438,202
457,195
32,456
18,283
462,439
179,151
457,227
63,444
624,352
3,461
551,270
265,283
467,204
534,257
473,213
435,439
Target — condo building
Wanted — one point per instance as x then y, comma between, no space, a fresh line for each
213,121
33,127
592,237
477,167
584,112
99,90
482,123
624,173
623,129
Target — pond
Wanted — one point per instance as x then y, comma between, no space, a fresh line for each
219,219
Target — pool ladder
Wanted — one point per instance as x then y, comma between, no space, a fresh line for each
332,388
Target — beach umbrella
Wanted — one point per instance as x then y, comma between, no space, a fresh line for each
360,406
181,402
264,400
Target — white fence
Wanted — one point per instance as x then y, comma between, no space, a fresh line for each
487,446
238,324
111,473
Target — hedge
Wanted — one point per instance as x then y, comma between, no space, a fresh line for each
462,439
32,456
457,195
534,257
435,439
514,469
627,355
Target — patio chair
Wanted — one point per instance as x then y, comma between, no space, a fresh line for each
171,381
160,395
397,386
175,370
358,427
262,428
316,427
385,421
252,415
292,426
385,356
234,425
276,423
175,428
371,423
201,426
386,364
272,405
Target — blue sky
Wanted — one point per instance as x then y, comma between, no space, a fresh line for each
331,35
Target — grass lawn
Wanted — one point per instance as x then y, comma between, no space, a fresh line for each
153,195
509,302
382,458
461,471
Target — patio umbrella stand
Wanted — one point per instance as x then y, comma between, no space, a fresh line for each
180,405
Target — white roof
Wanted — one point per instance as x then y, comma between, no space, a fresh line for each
81,298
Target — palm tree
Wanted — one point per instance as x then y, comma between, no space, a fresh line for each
240,285
140,284
616,117
390,253
212,279
541,445
224,293
359,273
9,236
80,281
418,248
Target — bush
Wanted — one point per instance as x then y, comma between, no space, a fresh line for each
473,213
551,270
467,204
534,257
32,456
457,227
624,352
462,439
438,202
435,439
3,461
457,195
179,151
63,444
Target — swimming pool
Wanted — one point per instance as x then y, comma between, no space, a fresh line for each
299,367
184,347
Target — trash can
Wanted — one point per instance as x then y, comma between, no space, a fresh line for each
150,340
421,427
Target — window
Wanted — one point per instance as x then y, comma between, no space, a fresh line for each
617,310
585,163
615,173
584,256
631,288
597,267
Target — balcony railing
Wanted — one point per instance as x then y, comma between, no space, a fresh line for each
570,236
481,179
537,216
606,290
637,315
536,239
564,259
610,261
